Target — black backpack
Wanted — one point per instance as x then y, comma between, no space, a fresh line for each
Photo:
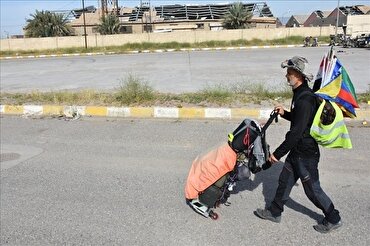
242,141
328,113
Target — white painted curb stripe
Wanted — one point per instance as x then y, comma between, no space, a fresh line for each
265,113
161,112
71,110
217,113
158,112
118,112
33,109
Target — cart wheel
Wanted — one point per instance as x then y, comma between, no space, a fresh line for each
213,215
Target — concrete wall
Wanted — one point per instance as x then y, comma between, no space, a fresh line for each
180,36
357,24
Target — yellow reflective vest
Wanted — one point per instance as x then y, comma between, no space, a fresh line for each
334,135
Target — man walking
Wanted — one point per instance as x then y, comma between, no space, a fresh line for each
303,158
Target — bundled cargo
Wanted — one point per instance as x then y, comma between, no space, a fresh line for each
212,176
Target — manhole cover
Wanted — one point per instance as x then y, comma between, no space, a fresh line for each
9,156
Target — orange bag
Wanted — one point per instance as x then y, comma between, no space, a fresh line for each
207,169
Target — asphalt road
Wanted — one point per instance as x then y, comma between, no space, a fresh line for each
174,72
101,181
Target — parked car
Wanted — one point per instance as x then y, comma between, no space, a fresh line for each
362,40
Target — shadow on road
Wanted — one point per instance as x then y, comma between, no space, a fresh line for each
269,180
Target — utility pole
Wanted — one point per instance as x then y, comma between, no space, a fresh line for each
142,18
150,17
146,4
83,13
336,26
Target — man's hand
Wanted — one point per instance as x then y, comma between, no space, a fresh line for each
273,159
279,109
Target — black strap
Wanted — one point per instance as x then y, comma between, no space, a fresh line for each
273,116
306,133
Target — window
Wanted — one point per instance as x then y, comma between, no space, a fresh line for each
200,25
126,29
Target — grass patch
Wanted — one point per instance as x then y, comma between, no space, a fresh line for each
364,97
84,97
154,46
133,91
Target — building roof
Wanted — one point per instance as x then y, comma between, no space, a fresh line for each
300,18
176,12
90,19
322,14
199,11
365,9
355,9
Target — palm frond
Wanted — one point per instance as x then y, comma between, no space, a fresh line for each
237,17
47,24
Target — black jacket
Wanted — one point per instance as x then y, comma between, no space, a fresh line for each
298,140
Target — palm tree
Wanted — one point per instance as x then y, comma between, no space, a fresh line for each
237,17
47,24
109,25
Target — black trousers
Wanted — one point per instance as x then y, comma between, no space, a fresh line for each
306,170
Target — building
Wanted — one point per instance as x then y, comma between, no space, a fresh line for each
317,18
296,21
328,18
168,18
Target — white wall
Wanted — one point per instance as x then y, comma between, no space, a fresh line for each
178,36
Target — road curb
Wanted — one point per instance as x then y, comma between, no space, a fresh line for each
155,51
147,112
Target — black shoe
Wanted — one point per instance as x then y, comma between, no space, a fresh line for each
326,227
266,215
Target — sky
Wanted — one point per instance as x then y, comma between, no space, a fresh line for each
13,13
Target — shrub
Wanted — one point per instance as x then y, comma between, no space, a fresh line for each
132,90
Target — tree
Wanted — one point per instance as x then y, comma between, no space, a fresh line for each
237,17
47,24
109,25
